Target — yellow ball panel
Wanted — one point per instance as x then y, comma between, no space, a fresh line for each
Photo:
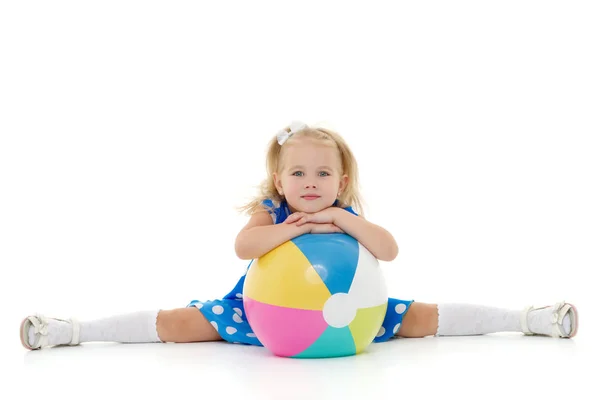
366,324
284,277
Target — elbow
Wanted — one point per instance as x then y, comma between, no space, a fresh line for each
246,250
242,253
390,253
388,257
241,250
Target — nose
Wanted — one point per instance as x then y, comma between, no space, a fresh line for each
309,186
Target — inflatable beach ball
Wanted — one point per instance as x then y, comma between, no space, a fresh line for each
317,295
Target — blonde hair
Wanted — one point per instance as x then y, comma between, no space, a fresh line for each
350,196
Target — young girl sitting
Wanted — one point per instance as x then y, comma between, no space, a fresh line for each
311,187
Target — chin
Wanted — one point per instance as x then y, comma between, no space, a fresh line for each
307,208
312,206
319,207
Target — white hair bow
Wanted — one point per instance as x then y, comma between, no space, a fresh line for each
294,127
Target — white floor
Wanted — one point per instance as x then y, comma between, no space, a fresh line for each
499,366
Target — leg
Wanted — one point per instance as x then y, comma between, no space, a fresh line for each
449,319
179,325
226,319
38,331
184,325
420,320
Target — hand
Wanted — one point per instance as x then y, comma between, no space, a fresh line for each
294,217
322,228
326,216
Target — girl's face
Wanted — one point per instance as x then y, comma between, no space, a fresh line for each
310,176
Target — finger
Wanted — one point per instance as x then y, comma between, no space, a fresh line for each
305,218
290,219
302,221
293,217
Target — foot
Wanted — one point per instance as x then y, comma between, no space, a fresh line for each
38,331
559,321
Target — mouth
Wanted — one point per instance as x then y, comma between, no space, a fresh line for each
310,197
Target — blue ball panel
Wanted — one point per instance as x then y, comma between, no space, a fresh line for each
333,255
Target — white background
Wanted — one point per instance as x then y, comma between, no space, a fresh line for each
129,132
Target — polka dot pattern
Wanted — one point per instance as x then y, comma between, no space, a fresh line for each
392,322
228,318
231,330
217,310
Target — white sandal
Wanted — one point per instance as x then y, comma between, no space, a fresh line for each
40,326
559,311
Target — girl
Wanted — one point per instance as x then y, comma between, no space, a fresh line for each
311,187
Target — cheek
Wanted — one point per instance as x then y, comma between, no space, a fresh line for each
289,185
293,187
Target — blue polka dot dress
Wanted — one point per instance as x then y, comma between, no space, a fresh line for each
227,315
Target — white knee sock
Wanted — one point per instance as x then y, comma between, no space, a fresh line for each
470,319
137,327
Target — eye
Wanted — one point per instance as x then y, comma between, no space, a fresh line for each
324,172
297,172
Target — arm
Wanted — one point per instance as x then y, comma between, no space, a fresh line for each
377,240
261,236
